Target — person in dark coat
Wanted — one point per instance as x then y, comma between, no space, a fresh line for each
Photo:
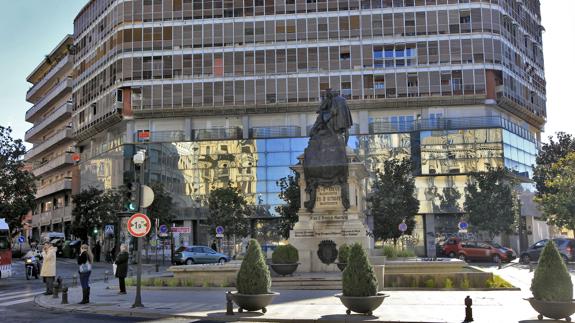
122,267
85,261
214,245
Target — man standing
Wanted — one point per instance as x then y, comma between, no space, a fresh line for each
48,271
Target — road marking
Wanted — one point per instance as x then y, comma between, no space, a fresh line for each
32,292
25,300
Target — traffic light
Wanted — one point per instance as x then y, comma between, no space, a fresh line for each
131,197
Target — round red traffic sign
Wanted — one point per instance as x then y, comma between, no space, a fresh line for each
139,225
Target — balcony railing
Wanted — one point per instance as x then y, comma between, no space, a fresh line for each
34,89
275,132
65,184
160,136
64,110
57,215
217,133
380,126
62,160
50,95
65,133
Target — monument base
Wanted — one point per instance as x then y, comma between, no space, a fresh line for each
313,228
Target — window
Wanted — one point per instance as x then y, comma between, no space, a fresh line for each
94,109
82,117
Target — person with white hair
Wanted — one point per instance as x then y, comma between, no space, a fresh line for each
122,267
48,271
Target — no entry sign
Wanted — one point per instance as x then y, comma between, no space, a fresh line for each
139,225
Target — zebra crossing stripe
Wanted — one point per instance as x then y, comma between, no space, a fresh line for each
19,301
4,297
38,291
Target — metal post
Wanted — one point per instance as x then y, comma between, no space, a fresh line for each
468,310
229,304
163,251
157,245
65,295
138,300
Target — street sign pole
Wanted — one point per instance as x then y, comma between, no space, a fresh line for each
138,299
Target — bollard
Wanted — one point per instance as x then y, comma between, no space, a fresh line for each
229,304
106,274
75,280
65,295
530,267
498,262
157,267
57,287
468,310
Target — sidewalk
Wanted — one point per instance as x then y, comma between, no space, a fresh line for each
300,306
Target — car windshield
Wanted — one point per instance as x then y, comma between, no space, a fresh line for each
560,242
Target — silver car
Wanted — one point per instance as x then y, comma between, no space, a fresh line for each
199,255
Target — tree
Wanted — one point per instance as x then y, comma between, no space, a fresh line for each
161,208
557,203
228,208
393,200
17,186
93,208
549,154
490,201
290,193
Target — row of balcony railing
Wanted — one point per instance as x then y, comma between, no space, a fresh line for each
51,95
65,133
65,184
64,110
55,163
53,71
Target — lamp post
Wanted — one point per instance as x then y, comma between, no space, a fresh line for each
139,159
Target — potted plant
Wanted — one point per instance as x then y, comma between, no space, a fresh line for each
360,284
551,286
342,255
285,260
253,281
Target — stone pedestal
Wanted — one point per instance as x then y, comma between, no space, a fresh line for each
329,220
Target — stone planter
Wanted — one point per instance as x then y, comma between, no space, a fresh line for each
284,269
253,302
364,305
341,265
554,310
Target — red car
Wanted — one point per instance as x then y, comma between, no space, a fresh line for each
477,250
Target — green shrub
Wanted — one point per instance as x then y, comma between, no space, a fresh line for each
389,251
414,282
552,281
497,282
173,282
254,275
358,277
405,253
448,283
430,283
343,253
130,282
465,283
287,254
159,282
188,283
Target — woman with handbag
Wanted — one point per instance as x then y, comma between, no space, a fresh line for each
85,260
121,264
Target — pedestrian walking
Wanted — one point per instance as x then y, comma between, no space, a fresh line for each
85,260
48,271
214,245
97,250
122,267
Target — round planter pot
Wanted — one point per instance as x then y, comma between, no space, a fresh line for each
253,302
554,310
284,269
341,265
363,305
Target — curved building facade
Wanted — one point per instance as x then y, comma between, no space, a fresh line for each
226,91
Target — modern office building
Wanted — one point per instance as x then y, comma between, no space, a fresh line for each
52,139
226,91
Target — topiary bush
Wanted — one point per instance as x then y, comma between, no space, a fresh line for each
343,254
358,277
254,275
552,281
287,254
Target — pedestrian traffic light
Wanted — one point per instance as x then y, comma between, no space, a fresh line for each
134,197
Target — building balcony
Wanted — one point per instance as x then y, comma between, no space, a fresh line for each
64,111
63,134
275,132
35,89
58,215
56,163
217,134
51,95
63,185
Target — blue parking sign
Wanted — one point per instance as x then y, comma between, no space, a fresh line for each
21,239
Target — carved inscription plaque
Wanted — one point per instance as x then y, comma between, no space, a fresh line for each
328,197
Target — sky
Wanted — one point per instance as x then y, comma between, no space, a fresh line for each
30,29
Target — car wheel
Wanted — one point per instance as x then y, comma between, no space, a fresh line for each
462,257
189,261
222,261
452,254
496,258
525,259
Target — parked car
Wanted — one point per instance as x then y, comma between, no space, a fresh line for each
566,248
477,250
199,255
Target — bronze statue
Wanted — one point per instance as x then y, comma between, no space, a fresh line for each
325,158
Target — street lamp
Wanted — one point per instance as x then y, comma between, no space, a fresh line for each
139,159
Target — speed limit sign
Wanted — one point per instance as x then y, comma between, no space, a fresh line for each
139,225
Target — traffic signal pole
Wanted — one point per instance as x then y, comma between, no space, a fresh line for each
138,300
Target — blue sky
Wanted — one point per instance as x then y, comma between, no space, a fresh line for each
30,29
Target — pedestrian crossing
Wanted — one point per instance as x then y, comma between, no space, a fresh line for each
10,298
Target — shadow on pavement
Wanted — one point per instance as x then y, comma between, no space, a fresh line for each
346,318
